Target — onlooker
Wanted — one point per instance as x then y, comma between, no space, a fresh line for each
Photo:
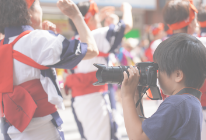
201,16
182,69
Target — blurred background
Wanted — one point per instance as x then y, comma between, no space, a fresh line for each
145,13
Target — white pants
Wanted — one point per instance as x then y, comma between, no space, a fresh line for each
38,129
92,113
203,134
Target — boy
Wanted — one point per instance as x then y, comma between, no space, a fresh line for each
201,17
29,91
182,69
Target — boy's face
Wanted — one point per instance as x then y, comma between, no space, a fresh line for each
166,83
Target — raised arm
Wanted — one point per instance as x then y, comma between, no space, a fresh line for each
127,16
70,9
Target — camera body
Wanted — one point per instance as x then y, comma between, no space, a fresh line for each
114,75
148,73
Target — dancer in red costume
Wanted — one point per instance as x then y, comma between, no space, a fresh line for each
91,109
29,91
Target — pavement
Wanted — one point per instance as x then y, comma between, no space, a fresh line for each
70,128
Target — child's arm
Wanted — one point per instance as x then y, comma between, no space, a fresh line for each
127,16
132,121
69,8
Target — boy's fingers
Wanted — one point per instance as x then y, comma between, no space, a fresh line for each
130,73
125,76
137,71
133,69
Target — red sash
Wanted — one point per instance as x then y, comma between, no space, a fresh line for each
82,84
25,101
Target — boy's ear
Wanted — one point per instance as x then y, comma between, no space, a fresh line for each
179,76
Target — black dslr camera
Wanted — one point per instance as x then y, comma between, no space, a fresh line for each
114,75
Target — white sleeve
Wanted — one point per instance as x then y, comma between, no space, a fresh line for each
155,44
109,38
54,50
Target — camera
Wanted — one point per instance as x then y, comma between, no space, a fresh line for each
114,75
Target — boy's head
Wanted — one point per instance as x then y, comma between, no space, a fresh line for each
180,16
20,12
182,63
201,16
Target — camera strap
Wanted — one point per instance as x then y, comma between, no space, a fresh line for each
142,92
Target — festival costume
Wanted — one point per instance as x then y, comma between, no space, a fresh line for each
31,91
90,104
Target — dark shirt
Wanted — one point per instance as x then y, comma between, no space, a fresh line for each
179,117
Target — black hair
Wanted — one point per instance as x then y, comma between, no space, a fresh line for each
186,53
176,11
201,16
83,8
13,13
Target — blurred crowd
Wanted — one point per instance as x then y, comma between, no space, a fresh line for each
71,64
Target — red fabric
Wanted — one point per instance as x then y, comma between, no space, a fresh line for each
7,54
169,31
82,84
163,95
101,54
6,65
27,101
202,24
156,30
148,53
203,97
27,60
6,75
186,22
29,3
93,9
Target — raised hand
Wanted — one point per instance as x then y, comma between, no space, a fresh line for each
47,25
126,6
106,11
68,8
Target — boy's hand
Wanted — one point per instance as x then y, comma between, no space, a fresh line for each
47,25
129,84
69,8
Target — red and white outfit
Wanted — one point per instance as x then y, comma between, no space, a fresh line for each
91,108
34,88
